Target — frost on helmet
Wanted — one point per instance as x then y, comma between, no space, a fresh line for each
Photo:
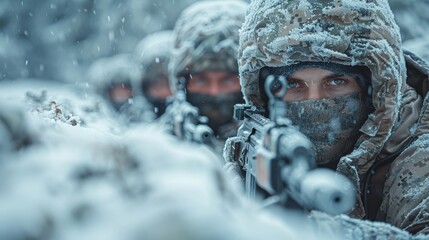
118,69
108,73
152,55
206,38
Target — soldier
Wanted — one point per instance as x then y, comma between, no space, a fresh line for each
112,78
204,63
356,94
153,55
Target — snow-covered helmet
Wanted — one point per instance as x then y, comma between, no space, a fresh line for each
206,38
153,55
105,73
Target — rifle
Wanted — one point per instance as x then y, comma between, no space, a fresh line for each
185,121
279,161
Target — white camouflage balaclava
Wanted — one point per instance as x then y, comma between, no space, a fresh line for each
206,39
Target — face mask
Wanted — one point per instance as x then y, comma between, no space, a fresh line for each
331,124
219,108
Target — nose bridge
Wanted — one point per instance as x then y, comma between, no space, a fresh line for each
314,92
214,86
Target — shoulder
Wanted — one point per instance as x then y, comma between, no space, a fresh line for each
406,201
417,72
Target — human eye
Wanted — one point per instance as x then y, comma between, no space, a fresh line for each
228,80
293,84
199,80
336,82
231,79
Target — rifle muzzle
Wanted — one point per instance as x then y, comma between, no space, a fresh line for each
203,134
324,190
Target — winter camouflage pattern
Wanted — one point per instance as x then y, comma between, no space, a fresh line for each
105,72
354,229
278,33
153,55
205,39
120,69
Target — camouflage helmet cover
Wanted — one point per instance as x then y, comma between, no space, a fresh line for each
118,69
152,55
206,38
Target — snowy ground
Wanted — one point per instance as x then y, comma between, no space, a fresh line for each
70,174
69,169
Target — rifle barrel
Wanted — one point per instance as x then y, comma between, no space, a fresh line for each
324,190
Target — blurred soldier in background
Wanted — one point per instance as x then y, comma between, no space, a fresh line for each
153,55
204,62
112,78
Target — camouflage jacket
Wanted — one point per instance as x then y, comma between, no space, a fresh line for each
397,184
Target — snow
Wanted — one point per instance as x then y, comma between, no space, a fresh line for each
61,102
200,31
97,180
70,35
70,168
154,46
116,69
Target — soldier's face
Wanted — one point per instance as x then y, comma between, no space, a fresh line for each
213,83
159,88
316,83
120,93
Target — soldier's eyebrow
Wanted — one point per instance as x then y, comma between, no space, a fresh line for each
297,80
199,75
335,75
294,79
329,76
